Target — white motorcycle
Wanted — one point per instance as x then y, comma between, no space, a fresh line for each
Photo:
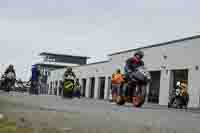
177,100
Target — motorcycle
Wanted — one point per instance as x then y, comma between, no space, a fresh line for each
179,97
21,87
68,87
8,81
134,90
27,86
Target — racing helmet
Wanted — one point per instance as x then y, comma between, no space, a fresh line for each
178,83
69,69
11,66
118,71
140,53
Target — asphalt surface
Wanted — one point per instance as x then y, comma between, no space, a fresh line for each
103,115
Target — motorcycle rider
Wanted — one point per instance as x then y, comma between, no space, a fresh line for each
10,69
133,63
69,73
131,66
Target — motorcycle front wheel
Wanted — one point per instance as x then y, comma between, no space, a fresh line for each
8,87
139,98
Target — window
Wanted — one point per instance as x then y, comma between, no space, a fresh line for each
102,87
83,87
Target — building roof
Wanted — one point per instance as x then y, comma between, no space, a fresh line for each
157,45
49,65
56,64
63,55
94,63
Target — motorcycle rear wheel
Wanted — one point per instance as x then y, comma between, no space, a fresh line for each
138,101
139,98
120,100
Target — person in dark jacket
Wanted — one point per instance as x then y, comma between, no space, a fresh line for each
133,63
35,79
8,70
69,73
77,89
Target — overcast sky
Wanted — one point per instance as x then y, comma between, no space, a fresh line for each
93,28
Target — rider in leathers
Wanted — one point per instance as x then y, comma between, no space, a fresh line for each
131,66
133,63
69,73
8,70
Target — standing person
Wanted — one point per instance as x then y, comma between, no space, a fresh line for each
117,79
77,89
60,87
35,80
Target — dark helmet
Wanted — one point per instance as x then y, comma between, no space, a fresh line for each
11,66
69,69
140,53
118,71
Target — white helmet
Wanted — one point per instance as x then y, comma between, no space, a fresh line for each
178,83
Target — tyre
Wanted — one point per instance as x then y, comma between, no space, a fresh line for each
169,105
120,100
8,87
178,103
138,101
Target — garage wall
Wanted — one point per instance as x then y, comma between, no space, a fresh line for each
179,55
93,70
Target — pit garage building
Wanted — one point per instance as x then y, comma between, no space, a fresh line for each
167,62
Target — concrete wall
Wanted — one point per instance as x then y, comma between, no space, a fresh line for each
96,70
180,55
